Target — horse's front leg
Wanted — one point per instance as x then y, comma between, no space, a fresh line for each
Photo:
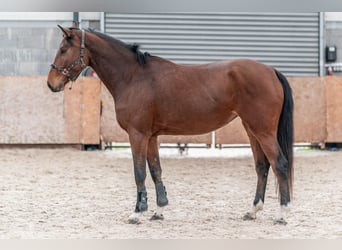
156,172
139,144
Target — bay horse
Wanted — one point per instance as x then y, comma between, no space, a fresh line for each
154,96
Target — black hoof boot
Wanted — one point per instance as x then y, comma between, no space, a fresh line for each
161,195
141,205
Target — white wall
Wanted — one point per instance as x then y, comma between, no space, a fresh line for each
333,16
41,16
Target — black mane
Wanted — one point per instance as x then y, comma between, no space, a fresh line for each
140,56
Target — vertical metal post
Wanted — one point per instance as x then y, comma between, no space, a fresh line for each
102,22
76,18
321,43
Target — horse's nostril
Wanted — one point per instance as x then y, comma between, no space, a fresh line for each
51,88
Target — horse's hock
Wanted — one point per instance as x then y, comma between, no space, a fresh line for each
31,114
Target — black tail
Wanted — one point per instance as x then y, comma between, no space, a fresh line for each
285,127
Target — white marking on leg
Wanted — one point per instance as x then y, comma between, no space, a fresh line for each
135,216
158,215
252,214
259,206
284,210
159,211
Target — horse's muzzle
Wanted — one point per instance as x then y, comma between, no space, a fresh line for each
59,87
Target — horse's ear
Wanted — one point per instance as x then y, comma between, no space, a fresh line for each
66,31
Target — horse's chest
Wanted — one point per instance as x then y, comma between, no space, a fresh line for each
133,116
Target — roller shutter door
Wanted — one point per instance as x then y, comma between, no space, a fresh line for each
287,41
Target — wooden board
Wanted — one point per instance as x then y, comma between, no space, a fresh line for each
31,114
334,108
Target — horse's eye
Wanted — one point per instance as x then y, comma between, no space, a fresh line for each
63,51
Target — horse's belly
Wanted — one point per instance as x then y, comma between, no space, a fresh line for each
197,125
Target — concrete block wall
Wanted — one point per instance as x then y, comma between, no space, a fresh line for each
29,51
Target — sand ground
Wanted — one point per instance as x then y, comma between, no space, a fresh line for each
71,194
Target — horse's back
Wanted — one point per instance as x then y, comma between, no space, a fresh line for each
239,81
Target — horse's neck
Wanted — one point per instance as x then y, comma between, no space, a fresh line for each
112,65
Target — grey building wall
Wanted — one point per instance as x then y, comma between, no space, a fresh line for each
287,41
28,48
333,37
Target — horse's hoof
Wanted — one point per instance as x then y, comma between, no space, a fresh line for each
248,216
280,221
157,217
134,218
134,221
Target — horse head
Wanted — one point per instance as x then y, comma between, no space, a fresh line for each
70,59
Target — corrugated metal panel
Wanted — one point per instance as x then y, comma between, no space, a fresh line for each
287,41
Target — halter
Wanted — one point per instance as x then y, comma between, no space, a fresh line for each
66,71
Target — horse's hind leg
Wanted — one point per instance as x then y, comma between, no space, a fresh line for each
262,167
274,154
156,172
